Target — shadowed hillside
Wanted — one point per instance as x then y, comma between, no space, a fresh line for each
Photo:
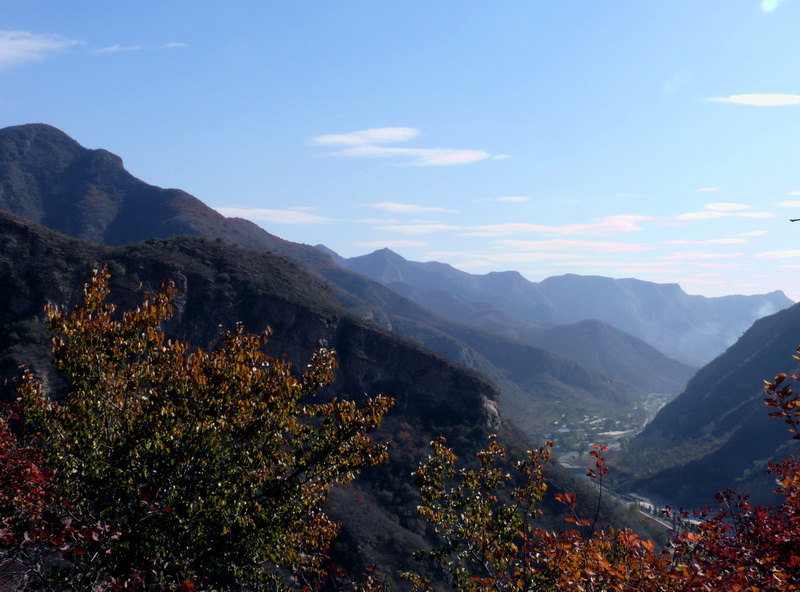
717,433
49,178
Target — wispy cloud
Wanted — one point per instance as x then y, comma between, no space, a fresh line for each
754,233
789,204
274,216
377,135
779,254
123,48
712,241
722,210
701,255
759,100
117,48
377,221
417,156
572,245
603,226
368,144
394,207
722,206
469,259
396,244
413,229
708,189
19,47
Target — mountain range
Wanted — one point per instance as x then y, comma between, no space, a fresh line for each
689,328
460,352
50,179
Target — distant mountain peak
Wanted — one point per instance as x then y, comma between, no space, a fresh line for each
388,253
384,255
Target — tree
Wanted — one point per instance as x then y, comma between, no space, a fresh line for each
489,541
194,469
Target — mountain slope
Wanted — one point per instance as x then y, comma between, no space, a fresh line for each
47,176
627,359
717,434
633,364
691,329
219,285
50,179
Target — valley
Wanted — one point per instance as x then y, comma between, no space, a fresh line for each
462,354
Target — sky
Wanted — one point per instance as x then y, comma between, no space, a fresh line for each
636,138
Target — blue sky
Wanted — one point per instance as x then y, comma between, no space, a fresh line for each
649,139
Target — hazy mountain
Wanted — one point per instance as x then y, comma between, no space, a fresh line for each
717,434
49,178
616,354
691,329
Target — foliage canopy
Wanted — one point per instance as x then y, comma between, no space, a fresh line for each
175,466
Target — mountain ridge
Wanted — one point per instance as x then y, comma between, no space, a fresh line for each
43,170
691,329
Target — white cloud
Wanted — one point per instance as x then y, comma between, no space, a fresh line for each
708,189
122,48
366,144
417,156
789,204
603,226
713,241
426,228
403,208
627,195
727,207
397,244
274,216
486,259
572,245
759,100
378,221
694,255
721,210
377,135
118,48
754,233
794,192
779,254
19,47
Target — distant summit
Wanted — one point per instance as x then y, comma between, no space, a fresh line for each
692,329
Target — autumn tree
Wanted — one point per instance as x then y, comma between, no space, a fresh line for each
194,469
489,541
